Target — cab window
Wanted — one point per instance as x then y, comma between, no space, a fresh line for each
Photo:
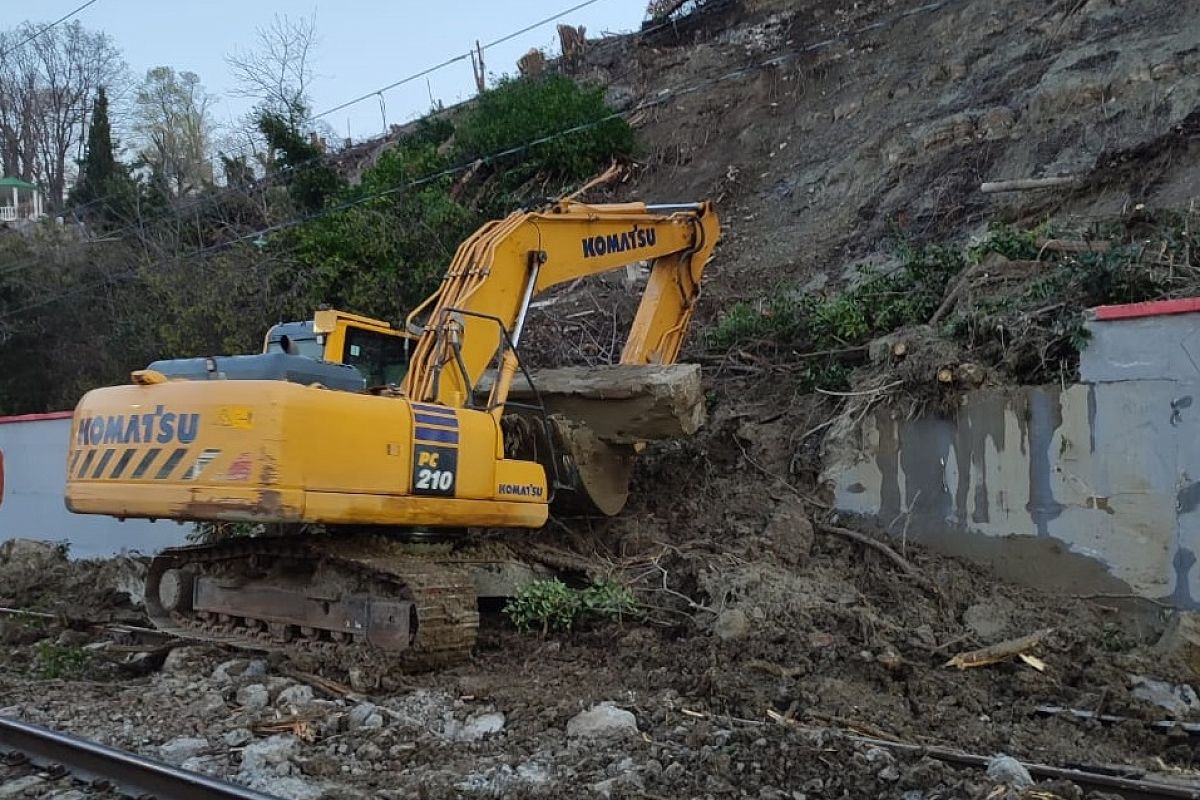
381,359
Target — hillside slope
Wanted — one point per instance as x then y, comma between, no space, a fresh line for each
824,128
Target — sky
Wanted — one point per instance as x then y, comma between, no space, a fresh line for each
362,44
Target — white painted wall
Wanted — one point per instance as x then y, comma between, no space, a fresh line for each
32,507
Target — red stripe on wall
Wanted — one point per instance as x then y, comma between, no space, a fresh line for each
1154,308
35,417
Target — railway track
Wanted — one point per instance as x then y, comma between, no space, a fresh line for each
126,772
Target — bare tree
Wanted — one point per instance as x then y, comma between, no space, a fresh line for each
173,120
278,71
46,87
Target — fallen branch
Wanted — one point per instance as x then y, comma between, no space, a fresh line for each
323,685
1026,184
998,652
1139,788
863,393
1073,246
906,566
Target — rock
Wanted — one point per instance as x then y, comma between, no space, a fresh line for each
602,721
253,697
479,726
270,756
201,764
31,553
986,621
1182,638
364,715
1007,770
1180,700
257,668
181,748
19,786
276,684
228,670
67,794
183,660
287,788
237,737
70,638
732,624
210,703
790,532
296,696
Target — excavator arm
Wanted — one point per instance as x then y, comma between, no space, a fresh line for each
477,315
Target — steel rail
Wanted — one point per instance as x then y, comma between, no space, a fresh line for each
128,772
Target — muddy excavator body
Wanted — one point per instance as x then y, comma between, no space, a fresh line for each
370,450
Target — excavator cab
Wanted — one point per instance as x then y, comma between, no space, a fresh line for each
374,348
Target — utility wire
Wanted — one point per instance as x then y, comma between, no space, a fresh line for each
453,60
42,30
276,177
659,99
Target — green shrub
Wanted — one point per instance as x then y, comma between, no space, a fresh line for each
51,661
547,605
519,111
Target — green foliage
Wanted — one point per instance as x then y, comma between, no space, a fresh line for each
608,599
105,186
382,255
518,112
548,605
192,277
52,661
310,180
1031,326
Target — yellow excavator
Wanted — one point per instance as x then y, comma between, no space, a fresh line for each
360,444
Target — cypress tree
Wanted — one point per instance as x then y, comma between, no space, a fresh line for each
99,166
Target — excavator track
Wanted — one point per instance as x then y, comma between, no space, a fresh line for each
357,604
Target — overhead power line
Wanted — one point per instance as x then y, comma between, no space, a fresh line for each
45,28
449,61
658,99
296,167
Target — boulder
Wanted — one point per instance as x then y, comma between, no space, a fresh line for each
602,721
181,748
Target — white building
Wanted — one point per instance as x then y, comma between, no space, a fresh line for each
20,200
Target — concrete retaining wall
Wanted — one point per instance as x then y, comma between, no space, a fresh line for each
1091,487
32,507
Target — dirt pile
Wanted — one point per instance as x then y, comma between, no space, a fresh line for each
832,635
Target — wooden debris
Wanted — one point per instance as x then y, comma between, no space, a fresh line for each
900,349
300,727
1074,246
323,685
910,571
998,652
1033,661
1026,184
945,375
971,374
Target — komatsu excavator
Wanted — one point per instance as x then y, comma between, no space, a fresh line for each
359,444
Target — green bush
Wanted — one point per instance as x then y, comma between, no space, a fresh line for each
547,605
51,661
519,111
